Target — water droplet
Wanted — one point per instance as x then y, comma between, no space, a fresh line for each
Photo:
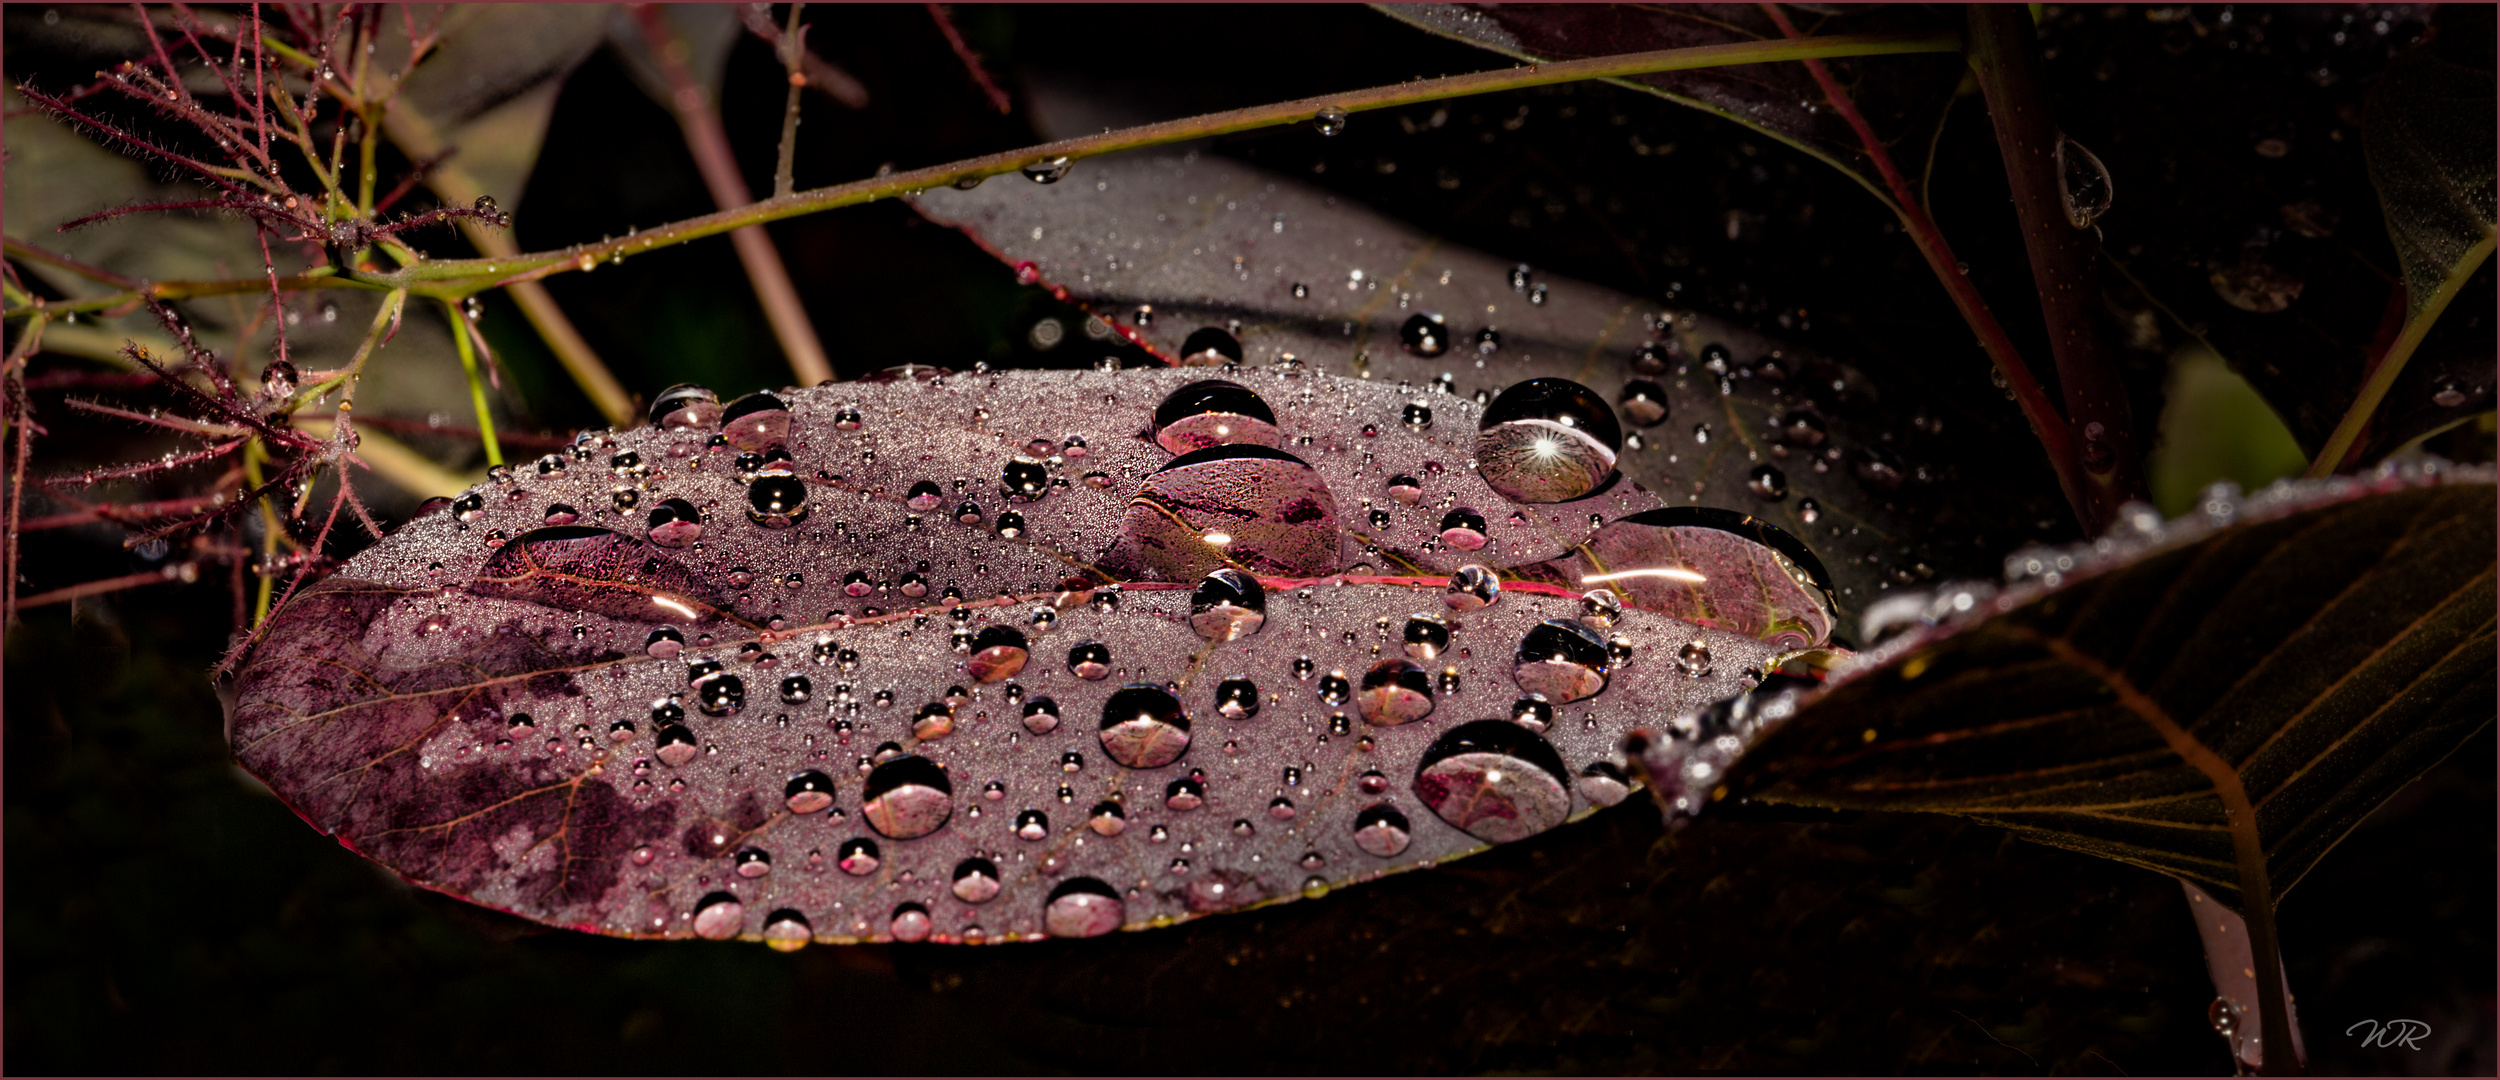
1426,636
1382,831
1214,412
676,745
1032,825
2085,190
1041,716
785,930
1210,346
935,720
976,881
719,916
1395,692
1329,121
1090,660
1600,608
1025,480
1248,506
1228,605
1082,908
1496,781
1143,727
1694,658
808,792
720,695
1532,712
469,507
777,502
1767,482
795,689
1186,793
1418,416
675,523
1107,819
1464,529
858,857
1335,689
910,923
2448,394
664,643
1488,341
686,407
1425,334
1547,440
1237,699
998,652
756,421
1644,402
1562,660
1048,170
907,796
1603,784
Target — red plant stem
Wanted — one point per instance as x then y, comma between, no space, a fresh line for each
701,121
91,588
2062,258
971,59
2051,428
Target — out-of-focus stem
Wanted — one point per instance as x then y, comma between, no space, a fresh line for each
2383,376
418,139
391,459
701,123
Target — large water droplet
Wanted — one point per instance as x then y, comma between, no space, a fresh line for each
1210,346
1426,636
1718,568
1464,529
1395,692
1228,605
910,922
808,792
1496,781
998,652
787,931
1382,831
976,881
1143,727
719,916
777,502
756,421
675,523
858,857
1025,480
1041,716
1048,170
1335,688
1472,587
1082,908
906,797
665,643
721,695
1547,440
686,407
1563,660
1253,507
1237,699
1213,412
1090,660
1329,121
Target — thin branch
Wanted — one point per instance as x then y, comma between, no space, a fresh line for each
2062,258
2382,377
459,277
699,118
971,60
460,331
793,45
184,572
2043,415
391,459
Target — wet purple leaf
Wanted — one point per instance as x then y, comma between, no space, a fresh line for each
840,711
1204,260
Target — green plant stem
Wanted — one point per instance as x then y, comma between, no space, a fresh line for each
2045,421
460,331
16,433
2100,421
2374,390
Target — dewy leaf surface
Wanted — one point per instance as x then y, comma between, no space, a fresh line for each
1164,246
2327,641
2428,130
743,674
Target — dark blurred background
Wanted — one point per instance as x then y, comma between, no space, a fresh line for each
163,914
